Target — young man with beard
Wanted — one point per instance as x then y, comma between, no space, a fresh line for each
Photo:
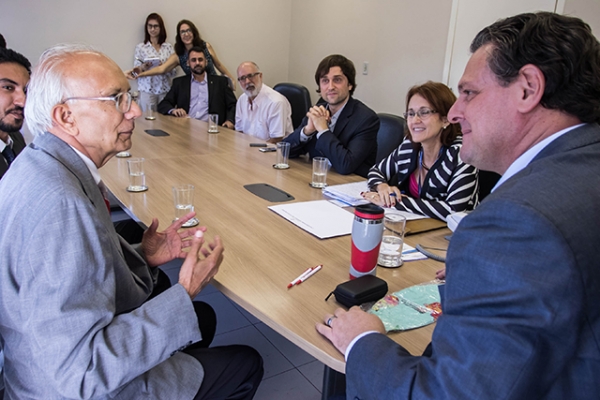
14,77
342,129
200,94
261,111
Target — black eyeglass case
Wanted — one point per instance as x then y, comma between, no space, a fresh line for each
359,291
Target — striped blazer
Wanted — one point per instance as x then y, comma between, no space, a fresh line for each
450,184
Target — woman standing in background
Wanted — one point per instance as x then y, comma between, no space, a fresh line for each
187,37
154,51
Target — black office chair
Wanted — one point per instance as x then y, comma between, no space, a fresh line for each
487,181
390,135
299,99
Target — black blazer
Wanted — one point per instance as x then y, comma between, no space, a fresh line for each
351,147
221,99
18,146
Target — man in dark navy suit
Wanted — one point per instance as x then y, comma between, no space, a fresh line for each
342,129
520,309
200,94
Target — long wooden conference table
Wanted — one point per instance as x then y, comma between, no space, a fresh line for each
263,251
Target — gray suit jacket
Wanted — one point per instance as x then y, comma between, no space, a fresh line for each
74,320
521,317
18,146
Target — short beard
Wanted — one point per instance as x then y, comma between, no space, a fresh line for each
16,127
253,93
198,73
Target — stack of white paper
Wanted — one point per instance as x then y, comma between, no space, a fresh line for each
320,217
349,193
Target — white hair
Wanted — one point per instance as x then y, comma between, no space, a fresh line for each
48,87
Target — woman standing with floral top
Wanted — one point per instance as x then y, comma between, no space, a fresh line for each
153,88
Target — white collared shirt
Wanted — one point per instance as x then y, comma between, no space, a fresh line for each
524,159
4,144
90,164
268,116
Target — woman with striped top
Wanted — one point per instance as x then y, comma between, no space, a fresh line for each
426,175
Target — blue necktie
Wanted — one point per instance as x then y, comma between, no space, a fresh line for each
9,154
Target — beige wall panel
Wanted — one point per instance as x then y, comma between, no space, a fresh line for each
403,41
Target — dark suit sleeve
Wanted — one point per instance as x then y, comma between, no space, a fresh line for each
347,159
513,306
18,142
230,102
170,100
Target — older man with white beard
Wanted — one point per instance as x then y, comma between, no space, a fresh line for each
261,111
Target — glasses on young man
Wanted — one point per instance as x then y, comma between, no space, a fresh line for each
122,100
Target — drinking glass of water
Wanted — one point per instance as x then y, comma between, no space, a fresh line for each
319,172
390,252
183,199
137,177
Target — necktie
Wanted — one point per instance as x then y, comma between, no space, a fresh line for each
9,154
104,192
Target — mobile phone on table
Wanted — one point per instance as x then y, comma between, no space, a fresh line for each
267,149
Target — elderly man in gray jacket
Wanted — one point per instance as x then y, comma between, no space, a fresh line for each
76,320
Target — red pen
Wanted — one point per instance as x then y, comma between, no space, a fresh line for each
295,281
303,276
311,273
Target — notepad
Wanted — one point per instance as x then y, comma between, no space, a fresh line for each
319,218
349,193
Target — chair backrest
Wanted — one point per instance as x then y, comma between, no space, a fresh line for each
487,181
299,99
390,135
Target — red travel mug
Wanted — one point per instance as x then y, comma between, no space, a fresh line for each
367,231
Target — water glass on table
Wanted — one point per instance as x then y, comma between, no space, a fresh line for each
283,152
183,199
213,123
137,177
390,252
319,172
151,112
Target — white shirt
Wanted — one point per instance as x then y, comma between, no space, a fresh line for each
3,144
156,84
90,164
524,159
268,116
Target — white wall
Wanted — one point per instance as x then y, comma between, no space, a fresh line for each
588,10
238,30
403,41
469,17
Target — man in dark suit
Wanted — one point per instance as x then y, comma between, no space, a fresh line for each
342,129
200,94
14,77
521,317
